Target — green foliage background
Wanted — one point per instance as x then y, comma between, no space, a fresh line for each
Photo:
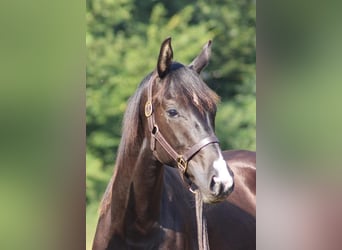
123,40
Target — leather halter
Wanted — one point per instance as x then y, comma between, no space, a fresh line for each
181,159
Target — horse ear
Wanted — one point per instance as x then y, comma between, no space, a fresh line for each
202,59
165,58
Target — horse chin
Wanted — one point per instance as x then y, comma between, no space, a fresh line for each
210,199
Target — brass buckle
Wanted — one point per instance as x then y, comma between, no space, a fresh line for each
148,109
182,164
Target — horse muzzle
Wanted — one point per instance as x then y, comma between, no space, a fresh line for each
222,181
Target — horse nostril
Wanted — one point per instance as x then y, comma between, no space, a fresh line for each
216,187
220,188
212,184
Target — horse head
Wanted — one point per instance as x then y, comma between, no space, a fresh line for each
179,122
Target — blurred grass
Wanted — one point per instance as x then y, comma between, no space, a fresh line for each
304,88
42,129
91,222
96,182
299,126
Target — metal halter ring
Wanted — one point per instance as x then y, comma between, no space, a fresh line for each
182,164
148,108
155,130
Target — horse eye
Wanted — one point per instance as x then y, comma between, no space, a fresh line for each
172,112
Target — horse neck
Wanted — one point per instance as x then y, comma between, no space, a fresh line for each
136,192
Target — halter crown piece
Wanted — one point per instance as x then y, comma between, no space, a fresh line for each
181,159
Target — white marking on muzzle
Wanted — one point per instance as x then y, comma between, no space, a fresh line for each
223,175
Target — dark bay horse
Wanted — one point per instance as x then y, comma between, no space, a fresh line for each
168,141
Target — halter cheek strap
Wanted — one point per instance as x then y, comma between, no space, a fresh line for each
181,159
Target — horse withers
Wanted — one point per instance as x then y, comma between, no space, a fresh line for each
168,143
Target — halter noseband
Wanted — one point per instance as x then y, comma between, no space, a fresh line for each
181,159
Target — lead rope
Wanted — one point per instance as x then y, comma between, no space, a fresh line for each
202,234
